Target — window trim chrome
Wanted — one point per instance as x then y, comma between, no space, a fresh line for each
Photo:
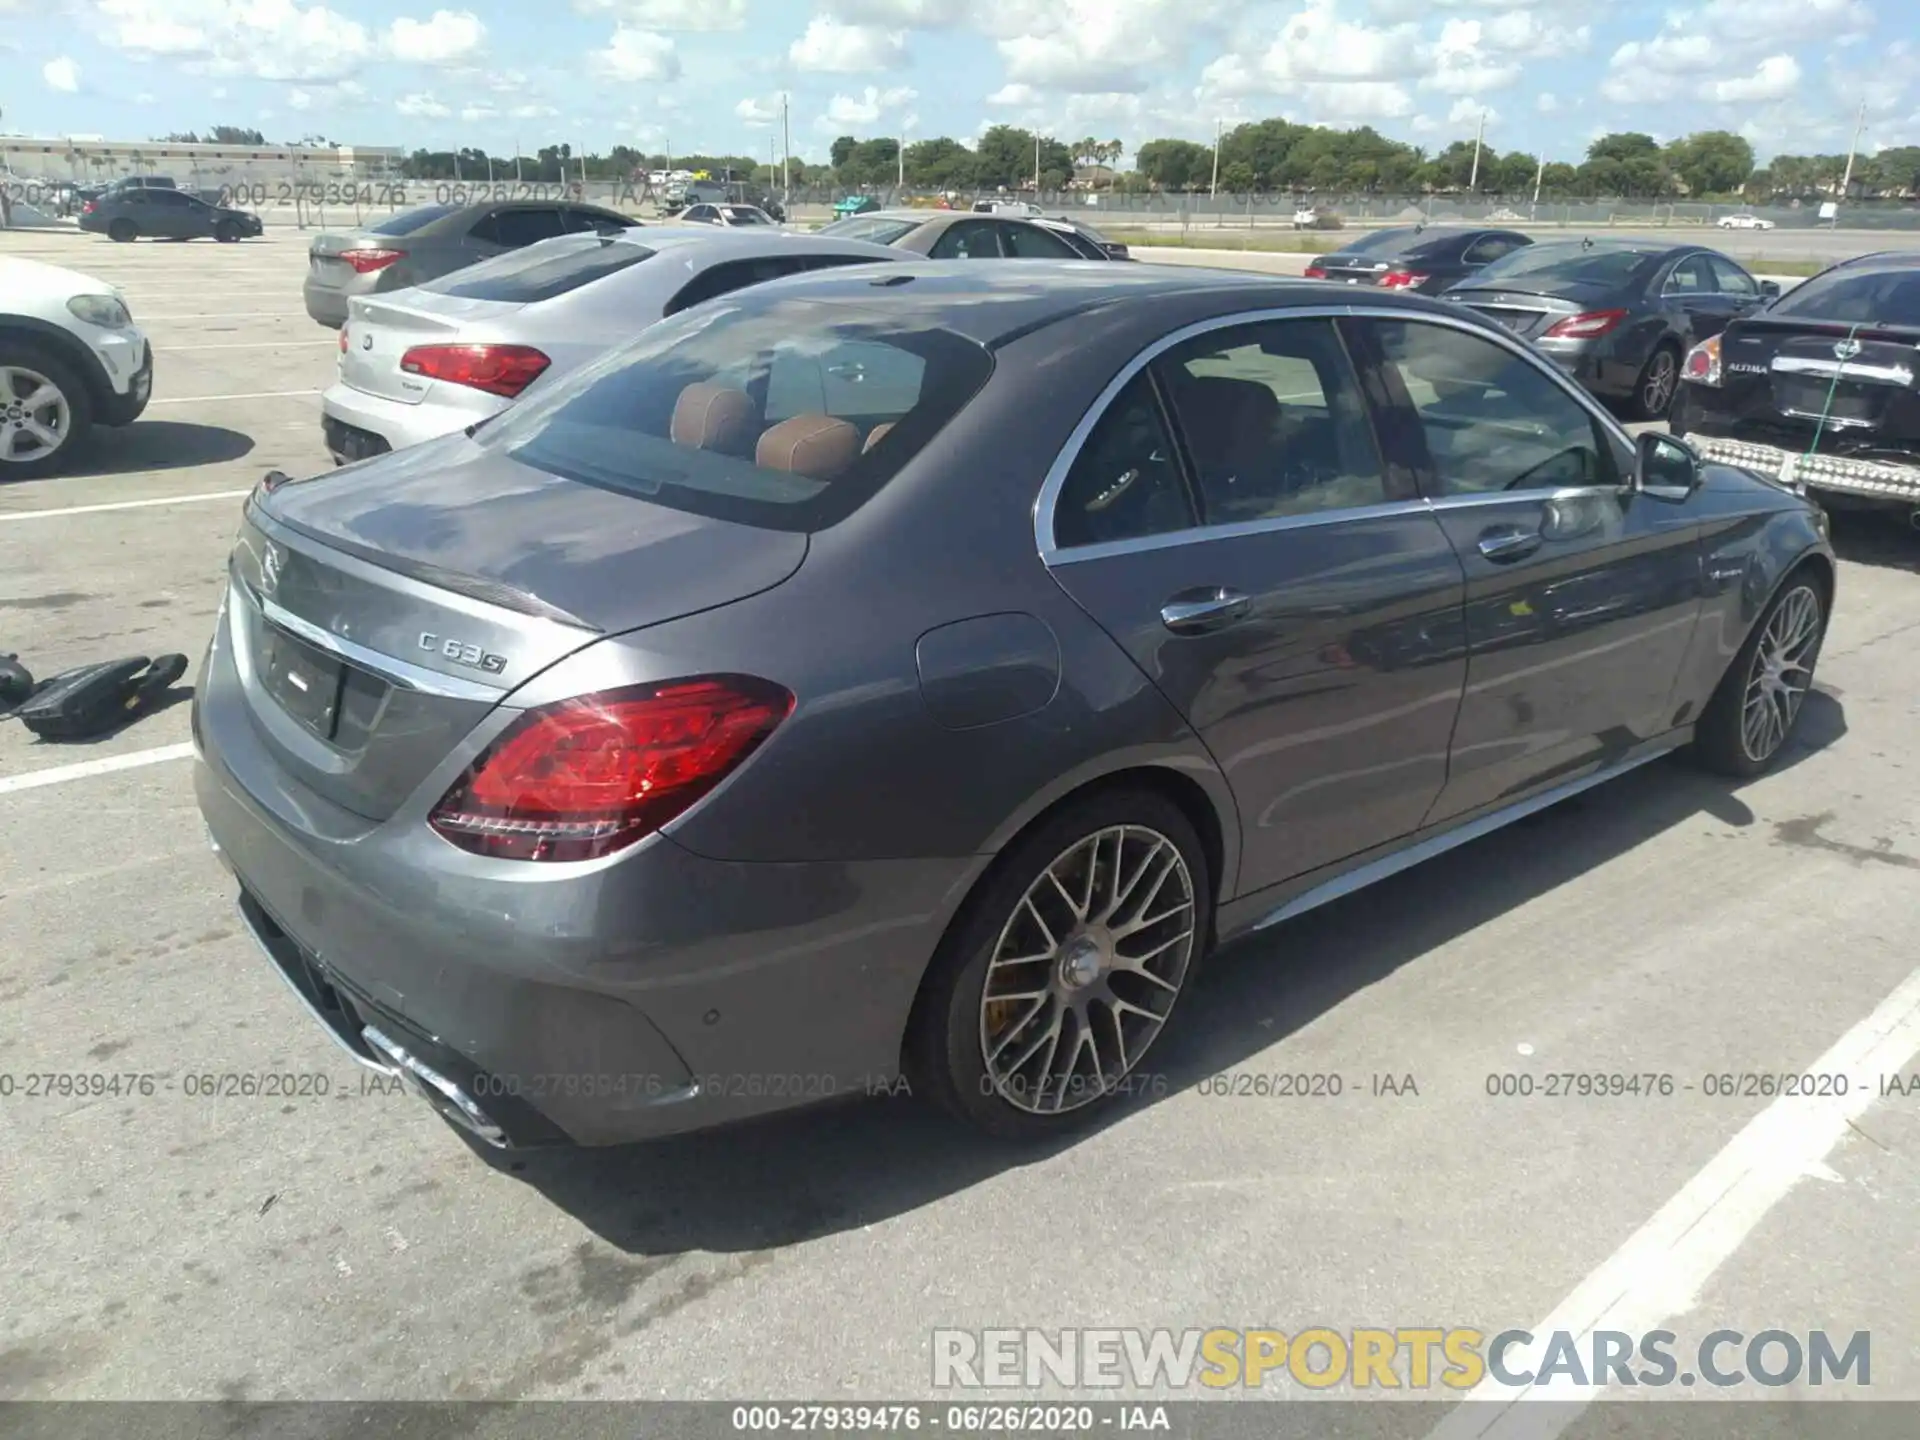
1056,478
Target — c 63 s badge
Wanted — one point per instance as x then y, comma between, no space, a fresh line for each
461,653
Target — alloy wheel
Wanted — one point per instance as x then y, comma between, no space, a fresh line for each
35,418
1781,674
1087,969
1662,375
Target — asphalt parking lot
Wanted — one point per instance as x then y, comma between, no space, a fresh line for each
349,1246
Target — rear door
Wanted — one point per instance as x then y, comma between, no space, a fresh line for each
1230,519
1582,593
1740,288
1693,288
512,227
171,216
1030,242
968,240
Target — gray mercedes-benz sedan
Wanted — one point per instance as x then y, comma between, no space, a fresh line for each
914,671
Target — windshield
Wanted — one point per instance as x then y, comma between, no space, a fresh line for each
785,415
880,230
1383,242
408,221
541,272
1599,265
1858,297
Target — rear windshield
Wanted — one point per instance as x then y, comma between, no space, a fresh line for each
1859,297
541,271
877,229
1601,265
1383,242
785,415
746,215
408,221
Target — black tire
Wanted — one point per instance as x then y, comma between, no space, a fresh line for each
227,233
122,231
947,1043
1663,368
1723,741
54,370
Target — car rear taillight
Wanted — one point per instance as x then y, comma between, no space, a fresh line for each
1316,272
1402,280
589,776
503,370
343,339
1702,365
87,208
1589,326
368,260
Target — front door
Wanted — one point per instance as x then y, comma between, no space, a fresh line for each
1231,522
1582,592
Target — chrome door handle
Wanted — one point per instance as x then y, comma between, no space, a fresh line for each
1510,543
1194,612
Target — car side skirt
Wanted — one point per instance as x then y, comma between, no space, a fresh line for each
1309,892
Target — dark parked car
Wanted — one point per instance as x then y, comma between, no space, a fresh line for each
914,670
1089,242
958,235
1426,258
137,212
1617,314
1820,387
434,240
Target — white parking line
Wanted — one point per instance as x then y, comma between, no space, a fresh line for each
246,395
60,774
126,505
241,345
1662,1268
235,315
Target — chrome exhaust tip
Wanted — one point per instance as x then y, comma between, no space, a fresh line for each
437,1090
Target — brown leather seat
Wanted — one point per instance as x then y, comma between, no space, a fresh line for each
876,435
713,417
817,446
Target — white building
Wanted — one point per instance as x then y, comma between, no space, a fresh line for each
87,159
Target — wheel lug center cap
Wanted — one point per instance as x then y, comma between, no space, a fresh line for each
1082,961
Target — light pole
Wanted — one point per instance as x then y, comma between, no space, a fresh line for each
1473,181
1847,179
786,153
1219,129
900,177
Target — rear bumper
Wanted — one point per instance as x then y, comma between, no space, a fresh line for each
595,1003
325,303
399,425
1870,479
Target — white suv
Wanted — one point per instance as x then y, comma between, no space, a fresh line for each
71,358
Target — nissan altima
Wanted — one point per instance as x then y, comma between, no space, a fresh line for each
916,671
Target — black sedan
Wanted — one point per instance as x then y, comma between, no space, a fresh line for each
1424,258
1819,388
1618,315
136,212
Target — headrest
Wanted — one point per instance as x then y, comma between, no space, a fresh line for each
817,446
712,417
876,435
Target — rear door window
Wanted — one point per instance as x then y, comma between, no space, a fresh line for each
1489,248
408,221
1692,276
968,240
540,272
1030,242
598,222
1125,483
514,228
718,280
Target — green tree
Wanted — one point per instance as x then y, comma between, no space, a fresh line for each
1711,162
841,151
1174,164
1005,156
1623,146
1237,177
941,163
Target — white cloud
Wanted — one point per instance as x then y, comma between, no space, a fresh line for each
61,74
868,107
1095,46
1770,22
265,39
684,15
219,92
1775,78
904,14
422,105
533,112
1467,111
1014,94
758,112
143,98
1317,47
1473,56
1546,103
473,114
299,100
637,55
450,37
839,49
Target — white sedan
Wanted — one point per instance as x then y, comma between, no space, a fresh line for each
1744,222
421,363
71,358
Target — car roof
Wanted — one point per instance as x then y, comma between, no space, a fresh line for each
763,241
992,304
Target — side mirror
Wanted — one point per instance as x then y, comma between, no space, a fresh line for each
1769,289
1664,464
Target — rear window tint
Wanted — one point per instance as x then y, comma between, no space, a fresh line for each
541,272
408,221
872,229
1383,242
787,416
1596,265
1859,297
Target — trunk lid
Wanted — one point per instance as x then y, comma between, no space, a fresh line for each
1790,379
1531,311
323,261
1354,269
381,330
380,611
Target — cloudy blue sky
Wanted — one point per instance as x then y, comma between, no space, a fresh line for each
707,74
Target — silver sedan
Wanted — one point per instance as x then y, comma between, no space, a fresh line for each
425,362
